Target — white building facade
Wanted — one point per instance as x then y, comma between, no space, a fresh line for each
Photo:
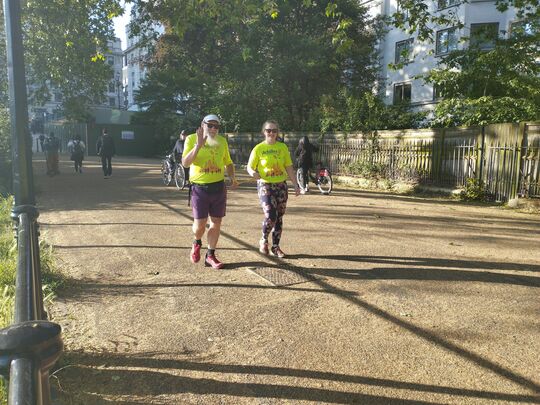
418,58
114,94
134,66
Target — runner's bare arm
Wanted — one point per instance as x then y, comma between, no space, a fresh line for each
253,173
290,172
232,176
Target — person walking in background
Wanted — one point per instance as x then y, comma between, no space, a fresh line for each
178,150
304,158
207,155
41,141
76,148
106,150
270,163
52,146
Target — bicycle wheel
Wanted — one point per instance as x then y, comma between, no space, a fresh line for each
324,181
300,180
166,175
180,177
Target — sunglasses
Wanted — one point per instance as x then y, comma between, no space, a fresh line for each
272,130
212,126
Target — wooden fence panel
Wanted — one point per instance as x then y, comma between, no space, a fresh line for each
506,157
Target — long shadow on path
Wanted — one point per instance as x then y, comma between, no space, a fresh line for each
409,326
149,382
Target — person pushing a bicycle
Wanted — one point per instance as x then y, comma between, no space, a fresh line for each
177,152
304,159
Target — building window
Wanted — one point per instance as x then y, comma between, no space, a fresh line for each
437,93
522,28
447,41
484,35
110,60
112,101
58,97
111,88
402,93
404,51
446,3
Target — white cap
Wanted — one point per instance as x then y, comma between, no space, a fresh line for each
211,117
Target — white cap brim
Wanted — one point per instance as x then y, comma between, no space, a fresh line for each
212,117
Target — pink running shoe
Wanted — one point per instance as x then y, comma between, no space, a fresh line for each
212,261
276,251
195,253
263,247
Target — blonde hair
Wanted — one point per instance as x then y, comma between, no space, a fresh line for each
269,122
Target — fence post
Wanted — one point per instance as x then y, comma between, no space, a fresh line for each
521,143
438,157
480,156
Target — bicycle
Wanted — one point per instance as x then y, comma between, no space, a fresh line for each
323,180
173,171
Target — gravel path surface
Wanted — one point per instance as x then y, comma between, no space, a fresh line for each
382,298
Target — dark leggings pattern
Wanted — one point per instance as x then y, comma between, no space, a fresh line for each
273,197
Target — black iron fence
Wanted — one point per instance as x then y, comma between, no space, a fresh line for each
31,345
505,158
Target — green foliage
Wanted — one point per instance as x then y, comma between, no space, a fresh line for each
415,17
249,63
64,44
367,170
483,111
52,280
484,86
474,190
346,112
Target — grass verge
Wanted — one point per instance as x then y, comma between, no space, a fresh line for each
52,280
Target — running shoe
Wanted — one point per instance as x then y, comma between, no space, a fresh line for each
212,261
276,251
263,247
195,253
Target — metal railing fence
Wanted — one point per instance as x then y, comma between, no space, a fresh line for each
505,158
31,345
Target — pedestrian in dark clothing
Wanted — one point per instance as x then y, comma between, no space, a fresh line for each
178,150
106,150
41,141
51,146
304,158
76,147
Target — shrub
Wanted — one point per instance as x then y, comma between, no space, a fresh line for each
474,190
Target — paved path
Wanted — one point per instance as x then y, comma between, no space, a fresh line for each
383,299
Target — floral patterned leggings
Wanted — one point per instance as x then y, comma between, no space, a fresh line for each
273,197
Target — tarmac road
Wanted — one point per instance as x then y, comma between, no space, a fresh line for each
382,298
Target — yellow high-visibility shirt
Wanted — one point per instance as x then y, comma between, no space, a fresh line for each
209,165
270,161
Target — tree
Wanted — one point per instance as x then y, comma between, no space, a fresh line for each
482,86
64,45
367,113
249,64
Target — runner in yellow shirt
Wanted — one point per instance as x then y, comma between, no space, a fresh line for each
270,163
207,155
